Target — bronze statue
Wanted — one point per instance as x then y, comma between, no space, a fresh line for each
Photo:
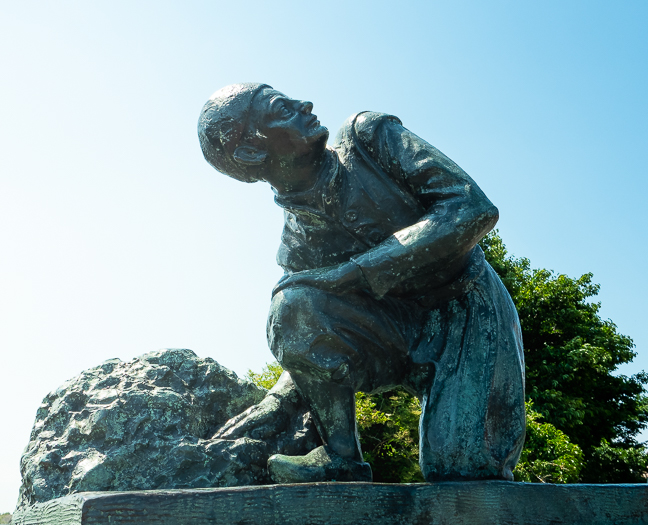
385,284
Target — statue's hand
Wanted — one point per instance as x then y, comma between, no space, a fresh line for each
257,422
341,278
270,417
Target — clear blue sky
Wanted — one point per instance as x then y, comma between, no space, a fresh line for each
118,239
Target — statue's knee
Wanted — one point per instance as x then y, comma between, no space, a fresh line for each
297,309
301,336
291,322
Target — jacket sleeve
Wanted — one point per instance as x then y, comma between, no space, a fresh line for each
457,215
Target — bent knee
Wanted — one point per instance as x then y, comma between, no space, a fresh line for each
296,306
303,334
295,317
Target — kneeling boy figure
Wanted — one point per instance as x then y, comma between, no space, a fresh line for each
385,284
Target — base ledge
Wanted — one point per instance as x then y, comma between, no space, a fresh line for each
456,503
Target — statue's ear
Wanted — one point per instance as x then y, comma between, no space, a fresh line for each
249,155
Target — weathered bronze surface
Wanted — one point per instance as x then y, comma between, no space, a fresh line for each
384,285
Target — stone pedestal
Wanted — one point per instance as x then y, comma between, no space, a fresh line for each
467,503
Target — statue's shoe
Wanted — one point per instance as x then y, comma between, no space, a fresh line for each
320,464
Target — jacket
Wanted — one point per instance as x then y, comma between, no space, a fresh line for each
396,206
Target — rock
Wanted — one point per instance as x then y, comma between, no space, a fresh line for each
161,421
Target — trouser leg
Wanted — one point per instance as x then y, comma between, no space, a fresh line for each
334,346
472,424
333,410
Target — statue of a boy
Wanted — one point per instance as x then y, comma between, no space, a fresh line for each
385,284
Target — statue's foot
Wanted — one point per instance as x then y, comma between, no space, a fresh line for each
507,474
320,464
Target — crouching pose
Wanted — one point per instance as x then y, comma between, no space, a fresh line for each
385,284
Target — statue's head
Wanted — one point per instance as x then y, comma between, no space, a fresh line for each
249,130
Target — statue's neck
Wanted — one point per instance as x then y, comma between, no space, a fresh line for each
302,175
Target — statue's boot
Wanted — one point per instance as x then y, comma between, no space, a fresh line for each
321,464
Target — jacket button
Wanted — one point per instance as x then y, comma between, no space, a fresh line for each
351,216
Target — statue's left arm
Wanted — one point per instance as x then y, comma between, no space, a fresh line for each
457,216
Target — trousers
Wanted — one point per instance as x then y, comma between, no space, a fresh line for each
462,357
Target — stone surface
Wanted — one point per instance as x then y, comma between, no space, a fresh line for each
453,503
161,421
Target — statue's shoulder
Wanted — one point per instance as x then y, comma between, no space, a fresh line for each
362,126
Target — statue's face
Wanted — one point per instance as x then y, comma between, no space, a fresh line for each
288,126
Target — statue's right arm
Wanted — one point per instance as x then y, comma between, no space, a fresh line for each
267,418
458,212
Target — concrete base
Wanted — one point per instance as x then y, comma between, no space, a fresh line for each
466,503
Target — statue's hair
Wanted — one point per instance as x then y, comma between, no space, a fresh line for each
223,125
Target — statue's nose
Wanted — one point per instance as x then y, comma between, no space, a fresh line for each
306,106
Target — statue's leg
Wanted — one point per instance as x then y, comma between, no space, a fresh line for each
473,423
333,410
334,345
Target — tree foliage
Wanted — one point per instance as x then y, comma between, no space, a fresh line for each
582,417
388,428
267,377
548,455
610,463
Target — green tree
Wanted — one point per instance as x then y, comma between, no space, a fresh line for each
610,463
548,455
388,428
267,377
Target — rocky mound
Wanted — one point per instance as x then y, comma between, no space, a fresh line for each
153,423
